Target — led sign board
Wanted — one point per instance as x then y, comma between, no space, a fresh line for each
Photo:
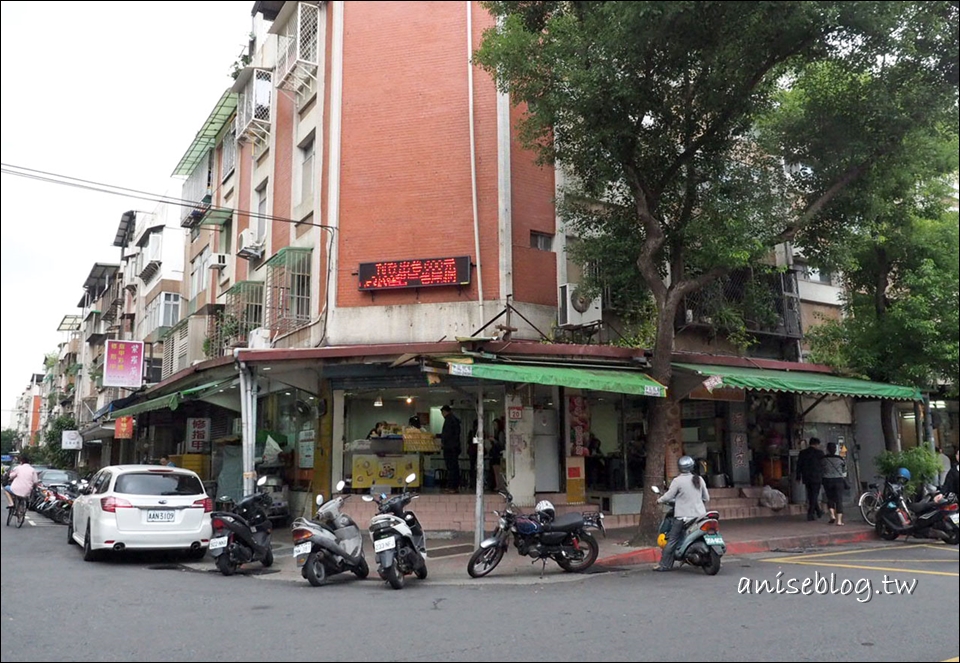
418,273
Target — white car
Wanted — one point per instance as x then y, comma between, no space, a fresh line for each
142,507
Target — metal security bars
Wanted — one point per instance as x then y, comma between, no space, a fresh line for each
299,54
242,312
254,105
288,290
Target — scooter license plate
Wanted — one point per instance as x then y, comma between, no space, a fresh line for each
218,542
384,544
713,539
301,551
955,517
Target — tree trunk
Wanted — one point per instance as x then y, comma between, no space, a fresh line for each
886,423
658,433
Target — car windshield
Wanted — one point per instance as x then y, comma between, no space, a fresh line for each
58,476
148,483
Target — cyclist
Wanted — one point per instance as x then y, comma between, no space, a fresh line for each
23,479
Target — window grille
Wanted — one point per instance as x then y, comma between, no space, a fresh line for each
288,290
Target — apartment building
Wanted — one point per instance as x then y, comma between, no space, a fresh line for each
365,239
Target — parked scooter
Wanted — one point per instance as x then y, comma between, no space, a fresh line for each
398,539
330,544
701,543
934,516
242,535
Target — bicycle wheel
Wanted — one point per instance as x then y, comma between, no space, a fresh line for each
21,512
869,503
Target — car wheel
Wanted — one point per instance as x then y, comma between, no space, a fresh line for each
89,554
70,540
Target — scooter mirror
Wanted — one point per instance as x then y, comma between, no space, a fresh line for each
319,499
411,477
655,489
340,485
262,481
367,498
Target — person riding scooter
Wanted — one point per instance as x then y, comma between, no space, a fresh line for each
688,492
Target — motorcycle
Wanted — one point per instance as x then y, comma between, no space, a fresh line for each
330,544
242,534
934,516
398,539
542,536
700,544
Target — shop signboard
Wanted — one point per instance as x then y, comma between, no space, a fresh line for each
387,470
123,365
415,273
198,434
123,428
71,440
305,445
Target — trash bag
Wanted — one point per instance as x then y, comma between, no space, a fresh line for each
773,498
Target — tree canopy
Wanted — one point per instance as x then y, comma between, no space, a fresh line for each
697,136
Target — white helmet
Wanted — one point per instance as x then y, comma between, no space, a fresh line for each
545,510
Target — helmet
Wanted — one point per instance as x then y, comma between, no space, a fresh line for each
903,475
545,510
685,464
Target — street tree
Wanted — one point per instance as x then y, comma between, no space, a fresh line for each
672,122
8,439
901,272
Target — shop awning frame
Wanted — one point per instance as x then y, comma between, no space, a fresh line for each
169,401
797,382
624,381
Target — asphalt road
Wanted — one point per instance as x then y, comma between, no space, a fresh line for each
56,607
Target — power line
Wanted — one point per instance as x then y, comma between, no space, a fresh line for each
100,187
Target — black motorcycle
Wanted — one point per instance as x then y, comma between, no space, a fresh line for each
934,516
542,536
242,534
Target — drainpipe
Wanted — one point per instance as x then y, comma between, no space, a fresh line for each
473,161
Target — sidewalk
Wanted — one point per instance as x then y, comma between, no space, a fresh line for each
448,552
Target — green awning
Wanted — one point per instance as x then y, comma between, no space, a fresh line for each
206,138
620,382
216,217
798,382
168,402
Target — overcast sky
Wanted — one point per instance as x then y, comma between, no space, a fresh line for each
110,92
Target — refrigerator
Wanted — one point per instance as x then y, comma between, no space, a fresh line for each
546,449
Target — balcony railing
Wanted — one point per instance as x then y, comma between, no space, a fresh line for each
765,301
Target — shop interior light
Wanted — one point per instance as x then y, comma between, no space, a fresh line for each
409,399
378,402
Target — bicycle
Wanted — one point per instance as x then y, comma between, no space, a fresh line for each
18,511
870,501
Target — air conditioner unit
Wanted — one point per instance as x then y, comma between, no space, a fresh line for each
248,246
258,338
219,261
576,310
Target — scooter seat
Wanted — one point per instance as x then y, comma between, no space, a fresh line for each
568,522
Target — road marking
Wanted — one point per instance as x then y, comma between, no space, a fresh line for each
805,560
873,568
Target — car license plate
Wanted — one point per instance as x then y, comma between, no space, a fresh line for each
165,516
955,517
384,544
713,539
219,542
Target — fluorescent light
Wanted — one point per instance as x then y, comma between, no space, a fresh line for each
378,402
